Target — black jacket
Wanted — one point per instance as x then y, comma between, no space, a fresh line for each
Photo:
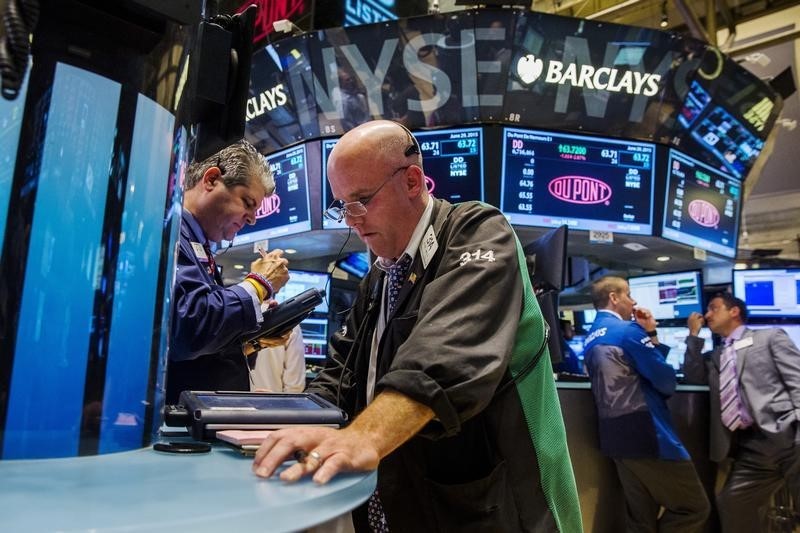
449,345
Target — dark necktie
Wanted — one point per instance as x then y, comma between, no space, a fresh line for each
211,266
397,277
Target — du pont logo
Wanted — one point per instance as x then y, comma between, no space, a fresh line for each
530,68
580,190
270,204
704,213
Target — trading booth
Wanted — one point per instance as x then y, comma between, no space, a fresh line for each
638,141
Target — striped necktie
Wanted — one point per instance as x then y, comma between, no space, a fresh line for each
730,406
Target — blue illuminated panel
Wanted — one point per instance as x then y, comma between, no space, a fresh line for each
63,267
10,126
137,275
286,212
587,183
702,205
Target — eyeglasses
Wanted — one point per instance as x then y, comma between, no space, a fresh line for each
340,209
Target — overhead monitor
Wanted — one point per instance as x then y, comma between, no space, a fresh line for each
452,160
287,211
701,205
715,134
769,293
588,183
670,297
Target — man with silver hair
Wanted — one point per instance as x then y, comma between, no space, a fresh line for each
222,194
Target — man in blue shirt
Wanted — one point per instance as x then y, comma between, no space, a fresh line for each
631,382
222,194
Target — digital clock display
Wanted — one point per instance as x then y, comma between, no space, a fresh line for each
588,183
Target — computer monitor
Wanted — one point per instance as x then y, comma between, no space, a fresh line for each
546,258
355,263
769,293
452,160
701,205
670,297
584,320
287,211
302,280
588,183
315,327
675,338
315,338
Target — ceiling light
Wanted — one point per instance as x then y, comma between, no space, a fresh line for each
664,18
662,258
740,266
290,251
238,267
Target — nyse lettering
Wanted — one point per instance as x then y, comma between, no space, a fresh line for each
576,74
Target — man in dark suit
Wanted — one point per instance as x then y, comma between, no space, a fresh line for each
754,382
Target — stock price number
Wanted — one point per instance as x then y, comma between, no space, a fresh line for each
575,149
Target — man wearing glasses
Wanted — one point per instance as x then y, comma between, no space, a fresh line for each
441,362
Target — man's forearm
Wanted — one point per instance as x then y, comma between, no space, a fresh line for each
390,420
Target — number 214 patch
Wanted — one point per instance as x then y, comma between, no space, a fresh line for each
485,255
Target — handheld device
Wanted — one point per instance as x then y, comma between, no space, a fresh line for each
282,318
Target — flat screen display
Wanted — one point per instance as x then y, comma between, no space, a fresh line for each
315,338
302,280
453,162
587,183
702,205
675,338
771,293
287,211
258,402
671,296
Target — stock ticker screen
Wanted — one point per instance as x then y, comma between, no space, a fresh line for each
584,182
702,205
452,160
286,212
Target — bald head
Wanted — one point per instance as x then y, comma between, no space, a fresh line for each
380,143
378,166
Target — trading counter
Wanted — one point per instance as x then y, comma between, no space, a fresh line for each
144,490
601,497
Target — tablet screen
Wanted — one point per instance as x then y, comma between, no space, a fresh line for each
258,402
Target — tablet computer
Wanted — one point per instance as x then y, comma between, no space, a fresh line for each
282,318
210,412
